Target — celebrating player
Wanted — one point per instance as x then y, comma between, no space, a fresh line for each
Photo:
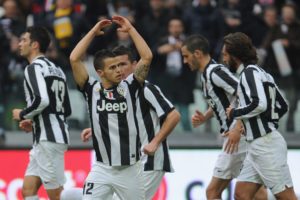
157,118
111,107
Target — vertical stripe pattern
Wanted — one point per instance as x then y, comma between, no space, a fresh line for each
261,103
47,99
112,114
219,87
152,109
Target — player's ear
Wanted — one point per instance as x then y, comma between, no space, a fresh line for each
100,72
35,45
198,53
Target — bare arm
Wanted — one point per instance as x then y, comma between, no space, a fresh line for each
143,49
169,124
79,71
199,118
209,113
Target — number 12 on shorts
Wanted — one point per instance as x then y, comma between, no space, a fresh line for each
87,188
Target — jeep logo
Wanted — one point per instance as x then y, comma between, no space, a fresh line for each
112,107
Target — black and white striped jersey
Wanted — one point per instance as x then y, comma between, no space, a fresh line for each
152,109
261,103
48,102
219,87
113,122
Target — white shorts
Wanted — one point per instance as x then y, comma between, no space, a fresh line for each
47,162
125,181
152,180
266,163
228,166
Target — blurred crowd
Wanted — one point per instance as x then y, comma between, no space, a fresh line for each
272,24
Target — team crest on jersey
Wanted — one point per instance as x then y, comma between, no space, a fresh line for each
121,90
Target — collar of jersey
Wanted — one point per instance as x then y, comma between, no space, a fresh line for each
37,57
240,69
212,61
108,89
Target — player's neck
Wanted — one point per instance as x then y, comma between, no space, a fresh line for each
204,62
107,84
33,56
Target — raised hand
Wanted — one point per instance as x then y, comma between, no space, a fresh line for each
86,134
98,28
123,22
198,118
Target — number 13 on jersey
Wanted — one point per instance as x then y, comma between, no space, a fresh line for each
58,87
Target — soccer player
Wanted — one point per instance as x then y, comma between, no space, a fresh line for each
157,118
219,89
260,107
111,104
48,105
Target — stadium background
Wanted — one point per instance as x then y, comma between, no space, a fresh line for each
193,150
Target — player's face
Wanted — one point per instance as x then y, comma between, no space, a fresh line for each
126,66
228,60
111,71
25,45
189,58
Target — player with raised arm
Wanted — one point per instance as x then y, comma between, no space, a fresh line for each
157,118
111,105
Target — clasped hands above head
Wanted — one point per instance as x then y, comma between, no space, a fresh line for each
124,24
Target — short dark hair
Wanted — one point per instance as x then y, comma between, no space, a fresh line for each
197,42
41,35
122,50
240,46
100,56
